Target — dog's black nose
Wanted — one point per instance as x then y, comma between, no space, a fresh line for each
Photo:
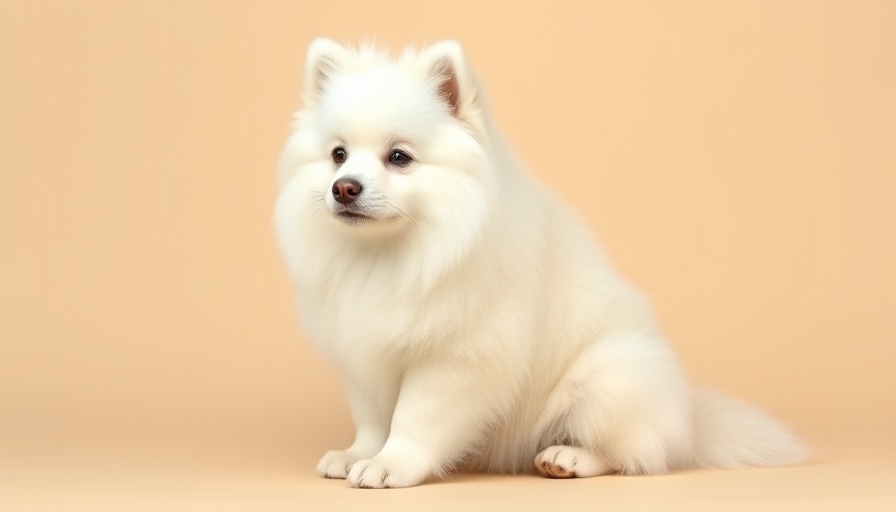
345,190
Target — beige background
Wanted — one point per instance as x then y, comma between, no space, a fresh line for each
738,160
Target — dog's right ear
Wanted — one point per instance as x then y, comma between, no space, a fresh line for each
446,63
324,60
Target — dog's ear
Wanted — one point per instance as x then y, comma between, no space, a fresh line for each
446,63
324,60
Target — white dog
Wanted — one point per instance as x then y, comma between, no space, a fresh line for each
475,322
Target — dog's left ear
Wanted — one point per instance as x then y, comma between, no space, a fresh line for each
446,63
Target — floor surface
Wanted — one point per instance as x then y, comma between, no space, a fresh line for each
856,476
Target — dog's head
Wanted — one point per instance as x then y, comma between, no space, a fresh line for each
387,149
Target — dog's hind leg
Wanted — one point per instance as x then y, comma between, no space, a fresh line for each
623,406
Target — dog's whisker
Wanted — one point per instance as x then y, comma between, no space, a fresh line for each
314,225
321,200
405,215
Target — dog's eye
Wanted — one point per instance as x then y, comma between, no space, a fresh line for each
399,158
339,155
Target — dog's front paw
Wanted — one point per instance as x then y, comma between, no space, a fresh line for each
336,464
383,474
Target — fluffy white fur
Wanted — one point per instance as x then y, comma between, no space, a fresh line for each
474,320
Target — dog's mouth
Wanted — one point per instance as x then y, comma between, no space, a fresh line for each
350,216
354,218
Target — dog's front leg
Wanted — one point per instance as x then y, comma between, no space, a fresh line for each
443,408
372,400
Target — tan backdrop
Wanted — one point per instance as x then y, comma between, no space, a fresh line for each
738,160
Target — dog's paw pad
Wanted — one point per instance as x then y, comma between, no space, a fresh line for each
569,462
555,462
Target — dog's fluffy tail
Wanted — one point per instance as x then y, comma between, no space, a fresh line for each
733,434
